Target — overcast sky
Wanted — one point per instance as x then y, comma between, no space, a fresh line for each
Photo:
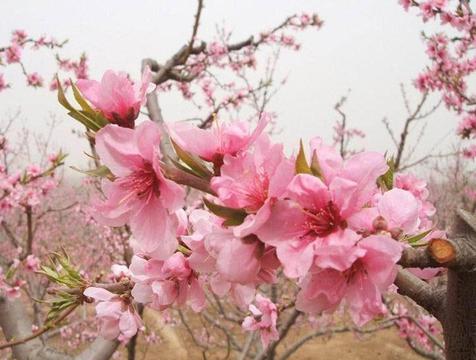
368,46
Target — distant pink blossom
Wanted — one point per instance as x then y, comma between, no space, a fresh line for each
263,318
34,79
3,83
32,263
18,36
13,53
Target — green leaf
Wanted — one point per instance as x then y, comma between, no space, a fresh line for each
301,165
81,101
101,171
386,180
416,238
182,167
315,167
232,216
85,120
11,271
62,98
192,161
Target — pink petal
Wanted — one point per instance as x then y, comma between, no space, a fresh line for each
99,294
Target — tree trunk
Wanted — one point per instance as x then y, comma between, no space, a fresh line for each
459,324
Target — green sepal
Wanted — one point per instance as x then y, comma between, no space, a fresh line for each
232,216
301,165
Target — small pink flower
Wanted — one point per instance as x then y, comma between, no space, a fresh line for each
116,96
3,84
405,3
263,318
164,283
118,318
214,143
33,170
13,53
120,271
34,79
32,263
18,36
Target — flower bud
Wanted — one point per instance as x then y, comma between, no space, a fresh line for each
379,224
396,233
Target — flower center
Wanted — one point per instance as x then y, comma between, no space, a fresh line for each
324,221
143,182
256,192
352,274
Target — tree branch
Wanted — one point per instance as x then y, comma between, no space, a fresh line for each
430,298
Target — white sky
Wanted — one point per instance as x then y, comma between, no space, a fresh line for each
368,46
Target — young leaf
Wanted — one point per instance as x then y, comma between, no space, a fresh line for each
418,237
81,101
62,98
301,165
232,216
386,180
192,161
315,167
102,172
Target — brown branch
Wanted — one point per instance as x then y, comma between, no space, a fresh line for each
10,234
29,238
283,332
404,133
15,322
430,298
458,253
40,331
195,25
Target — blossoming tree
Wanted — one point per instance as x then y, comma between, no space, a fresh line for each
217,209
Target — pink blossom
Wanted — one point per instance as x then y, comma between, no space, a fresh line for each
3,84
252,180
118,317
214,143
439,4
467,126
13,53
419,190
427,10
32,263
164,283
34,79
315,208
120,271
263,318
372,270
116,96
18,36
405,3
140,196
13,291
33,170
